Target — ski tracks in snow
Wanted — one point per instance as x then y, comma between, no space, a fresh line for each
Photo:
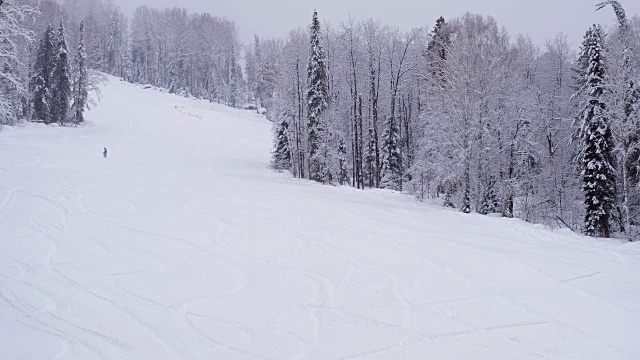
183,245
8,196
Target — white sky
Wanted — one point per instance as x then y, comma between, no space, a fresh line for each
541,19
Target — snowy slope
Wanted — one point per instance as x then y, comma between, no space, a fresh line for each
184,245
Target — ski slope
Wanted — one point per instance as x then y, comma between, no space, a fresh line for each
182,244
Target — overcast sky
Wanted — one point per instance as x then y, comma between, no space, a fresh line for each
541,19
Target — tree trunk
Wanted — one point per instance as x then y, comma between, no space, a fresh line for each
361,145
375,91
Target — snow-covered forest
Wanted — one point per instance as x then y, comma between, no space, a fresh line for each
465,114
57,51
461,113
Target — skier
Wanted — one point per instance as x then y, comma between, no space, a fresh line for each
104,153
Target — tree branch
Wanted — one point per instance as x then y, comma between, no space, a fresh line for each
565,224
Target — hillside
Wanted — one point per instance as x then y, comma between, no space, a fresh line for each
183,244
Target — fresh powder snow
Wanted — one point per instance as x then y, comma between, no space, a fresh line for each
184,244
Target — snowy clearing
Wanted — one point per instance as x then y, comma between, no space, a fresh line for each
182,244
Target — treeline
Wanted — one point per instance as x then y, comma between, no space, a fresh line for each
464,113
188,54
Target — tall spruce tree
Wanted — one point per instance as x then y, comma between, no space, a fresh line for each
126,65
369,160
489,199
317,98
281,155
343,172
41,81
391,156
113,34
61,80
597,158
80,81
236,83
437,48
466,195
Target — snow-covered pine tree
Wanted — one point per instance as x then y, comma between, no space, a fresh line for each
112,50
325,155
96,41
489,199
437,48
61,80
391,156
343,171
370,160
41,81
596,155
448,199
126,65
80,81
236,83
582,64
317,98
281,154
466,195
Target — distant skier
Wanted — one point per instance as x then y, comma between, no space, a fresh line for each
104,153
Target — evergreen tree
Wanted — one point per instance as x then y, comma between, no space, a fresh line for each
281,155
61,80
448,199
437,48
597,158
326,175
466,195
489,198
236,83
343,174
113,34
80,81
370,160
582,64
126,65
317,96
41,81
391,156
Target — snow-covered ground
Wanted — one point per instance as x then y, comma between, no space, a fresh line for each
182,244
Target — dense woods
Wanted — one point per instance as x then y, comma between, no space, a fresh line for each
468,116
